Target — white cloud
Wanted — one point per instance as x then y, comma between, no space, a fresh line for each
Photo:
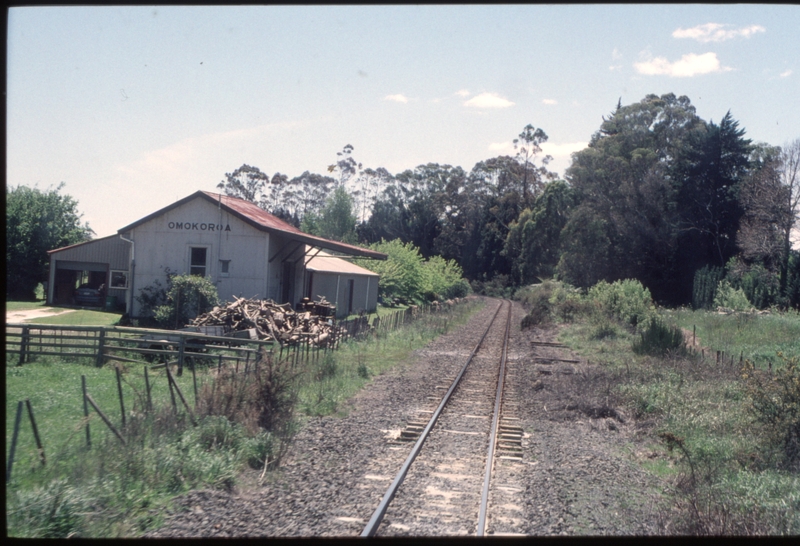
462,93
689,65
786,73
715,32
549,101
562,150
615,67
488,100
616,55
507,147
396,98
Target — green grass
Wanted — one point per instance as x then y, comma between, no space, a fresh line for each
756,337
23,305
356,362
706,407
110,490
80,317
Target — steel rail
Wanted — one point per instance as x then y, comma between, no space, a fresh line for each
498,403
377,516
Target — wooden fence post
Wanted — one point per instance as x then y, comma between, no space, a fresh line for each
39,445
149,407
181,349
14,441
119,390
194,382
86,411
101,343
105,419
23,344
174,384
171,390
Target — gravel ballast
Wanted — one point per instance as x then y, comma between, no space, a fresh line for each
577,475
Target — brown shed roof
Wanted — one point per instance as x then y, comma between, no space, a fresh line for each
262,220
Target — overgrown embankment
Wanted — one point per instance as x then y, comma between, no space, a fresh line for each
724,432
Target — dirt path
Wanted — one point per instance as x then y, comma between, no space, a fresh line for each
23,315
579,474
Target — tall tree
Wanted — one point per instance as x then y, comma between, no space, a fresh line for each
37,221
528,145
713,165
337,220
246,183
626,221
533,241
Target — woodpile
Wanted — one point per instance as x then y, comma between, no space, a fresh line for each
265,320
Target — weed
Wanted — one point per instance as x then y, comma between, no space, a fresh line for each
658,338
775,403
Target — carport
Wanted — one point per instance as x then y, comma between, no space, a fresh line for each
94,263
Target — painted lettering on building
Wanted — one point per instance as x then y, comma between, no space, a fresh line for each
198,226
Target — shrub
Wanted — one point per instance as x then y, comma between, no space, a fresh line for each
658,339
402,274
537,298
775,403
626,301
444,279
759,285
187,297
704,289
731,298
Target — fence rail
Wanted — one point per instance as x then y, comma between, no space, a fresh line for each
144,345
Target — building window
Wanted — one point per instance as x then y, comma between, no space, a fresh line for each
119,279
224,268
197,261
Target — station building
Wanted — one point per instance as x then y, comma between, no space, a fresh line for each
243,249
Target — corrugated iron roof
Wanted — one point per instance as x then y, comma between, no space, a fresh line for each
84,243
325,263
264,221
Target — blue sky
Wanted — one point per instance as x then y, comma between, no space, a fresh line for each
136,107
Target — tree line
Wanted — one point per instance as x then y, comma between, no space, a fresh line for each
659,195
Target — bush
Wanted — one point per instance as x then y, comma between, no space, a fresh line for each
444,279
731,298
626,301
186,297
705,286
658,339
759,285
402,274
775,403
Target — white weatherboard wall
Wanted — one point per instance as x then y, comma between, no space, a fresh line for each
165,241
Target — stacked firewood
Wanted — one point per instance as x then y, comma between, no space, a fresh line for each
265,320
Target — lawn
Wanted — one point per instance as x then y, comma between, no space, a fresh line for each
23,305
80,317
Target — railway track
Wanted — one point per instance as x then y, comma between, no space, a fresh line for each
445,487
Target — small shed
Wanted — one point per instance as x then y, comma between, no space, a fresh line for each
348,286
101,264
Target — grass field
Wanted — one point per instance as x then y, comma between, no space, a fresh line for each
23,305
80,317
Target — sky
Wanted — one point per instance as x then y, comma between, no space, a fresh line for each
136,107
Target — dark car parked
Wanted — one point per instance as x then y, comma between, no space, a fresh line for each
84,295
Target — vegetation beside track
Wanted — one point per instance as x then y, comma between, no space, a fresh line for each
111,490
724,433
